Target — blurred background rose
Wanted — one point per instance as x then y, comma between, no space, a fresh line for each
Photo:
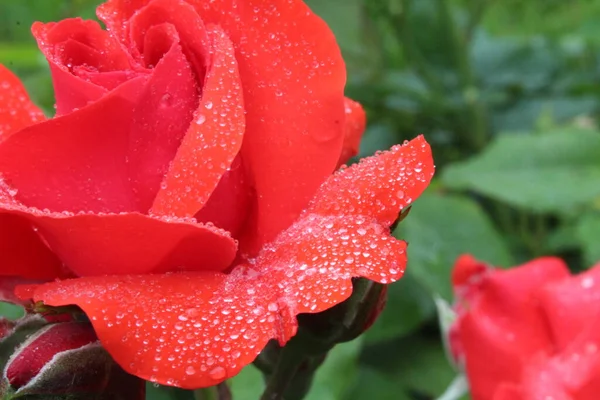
506,91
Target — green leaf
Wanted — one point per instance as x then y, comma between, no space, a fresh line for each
525,113
408,305
343,17
337,373
372,384
438,229
11,311
417,365
587,232
551,172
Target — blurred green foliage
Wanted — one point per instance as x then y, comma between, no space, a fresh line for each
506,91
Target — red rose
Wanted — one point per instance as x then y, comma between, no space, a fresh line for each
186,182
528,333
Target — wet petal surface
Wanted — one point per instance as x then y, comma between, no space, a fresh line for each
212,141
378,186
118,244
16,109
195,330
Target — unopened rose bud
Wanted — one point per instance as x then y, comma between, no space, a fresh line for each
61,359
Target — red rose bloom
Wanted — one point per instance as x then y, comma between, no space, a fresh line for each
528,333
185,182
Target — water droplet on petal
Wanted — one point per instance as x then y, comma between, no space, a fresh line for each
217,373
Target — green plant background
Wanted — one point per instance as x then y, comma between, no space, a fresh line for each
506,91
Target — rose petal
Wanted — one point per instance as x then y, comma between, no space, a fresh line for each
378,186
76,162
578,366
22,252
508,391
160,122
504,319
124,243
16,110
468,271
71,43
195,330
568,305
213,139
541,381
354,127
294,104
228,205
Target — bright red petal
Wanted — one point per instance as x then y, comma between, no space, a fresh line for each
228,205
212,141
542,381
184,330
125,243
354,127
379,186
579,364
467,271
507,391
570,303
76,162
23,253
16,110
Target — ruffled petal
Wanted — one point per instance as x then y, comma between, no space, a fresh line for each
123,243
76,162
354,127
213,139
378,186
16,109
569,304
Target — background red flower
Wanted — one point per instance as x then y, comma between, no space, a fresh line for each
530,332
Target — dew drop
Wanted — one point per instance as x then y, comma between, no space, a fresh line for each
217,373
190,370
